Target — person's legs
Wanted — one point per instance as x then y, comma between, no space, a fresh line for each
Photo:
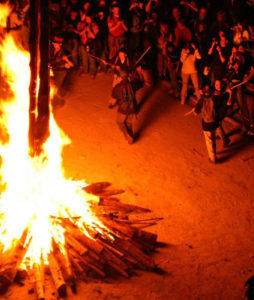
250,106
59,77
75,53
173,80
102,65
185,80
148,77
128,123
122,121
221,133
112,47
160,64
210,144
84,58
194,79
92,66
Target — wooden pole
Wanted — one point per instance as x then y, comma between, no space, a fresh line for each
39,112
33,48
44,89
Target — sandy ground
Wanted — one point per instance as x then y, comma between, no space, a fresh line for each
206,209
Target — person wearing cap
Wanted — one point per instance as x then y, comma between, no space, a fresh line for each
60,63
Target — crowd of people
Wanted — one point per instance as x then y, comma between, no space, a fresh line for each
208,43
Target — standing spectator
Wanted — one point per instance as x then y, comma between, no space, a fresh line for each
64,11
173,66
85,9
221,23
136,18
162,61
117,29
151,27
219,54
103,38
189,55
182,35
151,6
202,36
147,63
240,33
176,14
71,35
88,33
202,18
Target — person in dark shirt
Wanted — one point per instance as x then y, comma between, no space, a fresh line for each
123,95
219,54
173,66
102,36
136,19
71,35
211,105
60,64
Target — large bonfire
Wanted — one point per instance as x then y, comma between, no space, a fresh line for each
46,220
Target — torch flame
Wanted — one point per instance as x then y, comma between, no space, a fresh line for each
34,189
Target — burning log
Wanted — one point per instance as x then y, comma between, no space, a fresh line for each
124,231
131,249
76,245
93,265
75,262
57,276
65,265
13,258
147,239
96,188
74,231
113,204
38,278
119,247
100,189
116,263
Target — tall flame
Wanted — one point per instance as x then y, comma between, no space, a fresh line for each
4,13
34,189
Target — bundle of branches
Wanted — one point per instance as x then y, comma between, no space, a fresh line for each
127,248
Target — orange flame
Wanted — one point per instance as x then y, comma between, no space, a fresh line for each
4,13
34,189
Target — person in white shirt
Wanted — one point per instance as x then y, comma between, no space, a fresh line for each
188,58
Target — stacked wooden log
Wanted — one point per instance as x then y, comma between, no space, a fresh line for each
125,249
